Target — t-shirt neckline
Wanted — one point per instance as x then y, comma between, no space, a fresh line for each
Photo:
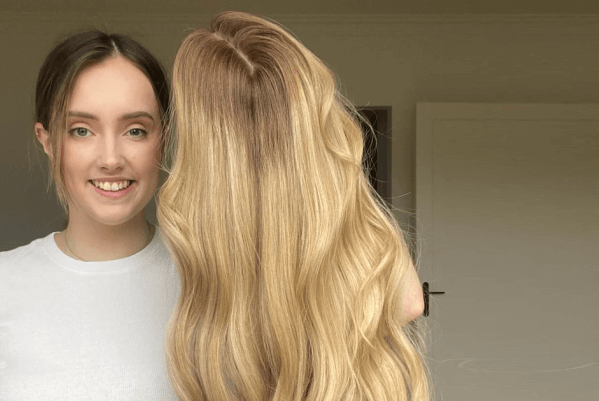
130,262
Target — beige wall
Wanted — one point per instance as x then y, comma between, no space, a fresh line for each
389,60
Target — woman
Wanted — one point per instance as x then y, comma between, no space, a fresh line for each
296,283
83,311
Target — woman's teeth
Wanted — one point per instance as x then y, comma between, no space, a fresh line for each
112,186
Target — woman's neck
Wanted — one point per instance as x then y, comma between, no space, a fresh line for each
92,241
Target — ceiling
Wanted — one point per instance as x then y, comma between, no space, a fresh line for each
273,7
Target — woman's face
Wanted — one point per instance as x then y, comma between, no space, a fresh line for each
112,141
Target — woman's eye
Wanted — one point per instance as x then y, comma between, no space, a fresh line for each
79,131
137,132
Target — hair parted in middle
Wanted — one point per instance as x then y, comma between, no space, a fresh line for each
58,75
292,270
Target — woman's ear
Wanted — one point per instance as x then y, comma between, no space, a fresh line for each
44,137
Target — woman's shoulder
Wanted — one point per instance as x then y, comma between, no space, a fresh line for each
17,255
20,266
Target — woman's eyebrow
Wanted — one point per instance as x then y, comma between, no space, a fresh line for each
128,116
82,114
136,114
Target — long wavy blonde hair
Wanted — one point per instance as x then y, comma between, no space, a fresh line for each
292,270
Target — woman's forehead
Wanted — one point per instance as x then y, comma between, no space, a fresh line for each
113,88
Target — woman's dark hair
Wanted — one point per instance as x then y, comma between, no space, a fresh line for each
57,77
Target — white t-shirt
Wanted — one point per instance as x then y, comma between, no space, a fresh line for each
73,330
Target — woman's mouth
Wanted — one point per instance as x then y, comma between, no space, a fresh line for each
112,186
113,190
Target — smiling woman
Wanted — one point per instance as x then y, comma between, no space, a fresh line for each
114,131
83,311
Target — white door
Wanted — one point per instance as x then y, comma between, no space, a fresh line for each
507,200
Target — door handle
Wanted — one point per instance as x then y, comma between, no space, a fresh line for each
427,293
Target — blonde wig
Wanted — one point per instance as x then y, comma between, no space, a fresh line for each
292,271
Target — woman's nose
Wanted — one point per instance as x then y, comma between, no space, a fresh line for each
111,153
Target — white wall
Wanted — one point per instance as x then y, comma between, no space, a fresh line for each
388,60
